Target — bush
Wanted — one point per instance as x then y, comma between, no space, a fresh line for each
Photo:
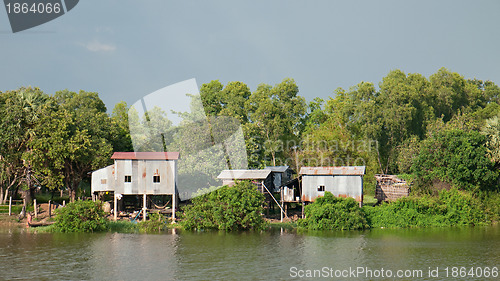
80,216
455,157
333,213
450,208
238,207
155,223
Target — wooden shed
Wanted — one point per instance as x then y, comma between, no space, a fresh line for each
138,173
390,188
280,175
341,181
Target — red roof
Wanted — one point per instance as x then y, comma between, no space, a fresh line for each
145,155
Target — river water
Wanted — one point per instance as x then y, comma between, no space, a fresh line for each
405,254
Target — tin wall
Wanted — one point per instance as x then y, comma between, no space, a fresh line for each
339,185
103,179
142,173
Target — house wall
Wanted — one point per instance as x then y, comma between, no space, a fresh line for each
338,185
142,173
103,179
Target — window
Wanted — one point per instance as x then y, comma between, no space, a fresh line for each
128,178
321,188
103,181
156,179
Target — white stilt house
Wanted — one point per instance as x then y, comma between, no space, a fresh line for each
139,173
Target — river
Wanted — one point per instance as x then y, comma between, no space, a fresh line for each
410,254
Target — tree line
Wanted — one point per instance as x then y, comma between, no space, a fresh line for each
439,131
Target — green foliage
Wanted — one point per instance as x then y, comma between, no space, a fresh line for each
81,216
492,132
455,157
125,226
450,208
155,223
238,207
121,132
276,116
333,213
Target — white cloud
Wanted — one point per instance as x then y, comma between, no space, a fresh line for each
96,46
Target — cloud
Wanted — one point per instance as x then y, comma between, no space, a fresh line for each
96,46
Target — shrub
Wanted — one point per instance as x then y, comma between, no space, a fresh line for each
80,216
155,223
333,213
456,157
238,207
450,208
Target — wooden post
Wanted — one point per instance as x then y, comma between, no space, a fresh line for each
302,209
281,197
144,208
50,208
10,205
115,206
174,197
34,207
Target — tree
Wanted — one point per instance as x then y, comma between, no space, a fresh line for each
492,132
121,131
20,112
449,93
228,101
455,157
276,118
73,138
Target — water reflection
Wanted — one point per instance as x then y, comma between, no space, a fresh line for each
247,255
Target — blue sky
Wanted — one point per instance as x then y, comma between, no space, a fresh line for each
126,49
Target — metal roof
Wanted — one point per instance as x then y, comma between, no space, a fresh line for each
346,170
145,155
279,169
244,174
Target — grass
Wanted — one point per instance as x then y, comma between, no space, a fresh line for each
285,225
369,200
122,226
16,209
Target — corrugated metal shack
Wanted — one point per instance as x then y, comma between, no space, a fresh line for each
280,175
138,173
259,178
341,181
390,188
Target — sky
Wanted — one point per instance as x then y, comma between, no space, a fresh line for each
124,49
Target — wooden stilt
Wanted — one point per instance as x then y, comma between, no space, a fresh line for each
302,209
281,199
174,202
35,208
10,206
144,208
115,214
50,208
